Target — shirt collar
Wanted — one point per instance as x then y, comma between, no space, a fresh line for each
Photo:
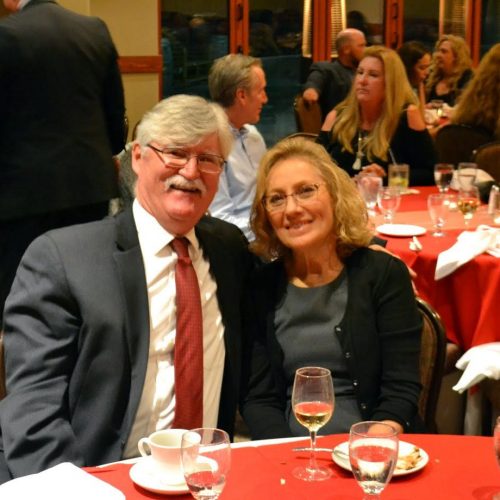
240,132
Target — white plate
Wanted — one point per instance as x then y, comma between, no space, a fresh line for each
145,475
404,449
401,230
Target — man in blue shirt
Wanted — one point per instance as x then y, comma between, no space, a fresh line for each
238,83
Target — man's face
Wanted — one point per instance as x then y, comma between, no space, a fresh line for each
176,197
254,99
358,46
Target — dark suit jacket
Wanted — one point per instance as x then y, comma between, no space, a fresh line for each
77,338
61,111
379,335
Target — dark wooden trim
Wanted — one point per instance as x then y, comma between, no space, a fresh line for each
141,64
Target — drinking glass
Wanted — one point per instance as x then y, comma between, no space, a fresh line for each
496,439
388,199
373,454
438,104
443,175
438,206
399,175
466,174
368,186
468,201
206,459
313,402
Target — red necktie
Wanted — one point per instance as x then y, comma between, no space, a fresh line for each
188,358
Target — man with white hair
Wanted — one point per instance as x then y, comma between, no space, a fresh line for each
330,82
93,328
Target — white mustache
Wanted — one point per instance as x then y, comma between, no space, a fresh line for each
179,182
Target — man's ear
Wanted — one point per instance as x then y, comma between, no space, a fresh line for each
241,95
136,157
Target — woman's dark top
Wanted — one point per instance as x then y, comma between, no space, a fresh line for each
305,322
414,147
379,337
451,97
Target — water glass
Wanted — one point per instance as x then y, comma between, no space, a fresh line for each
388,200
368,186
466,174
443,175
468,202
494,204
438,206
399,175
373,454
206,460
496,440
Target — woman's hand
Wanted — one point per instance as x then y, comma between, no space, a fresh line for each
373,169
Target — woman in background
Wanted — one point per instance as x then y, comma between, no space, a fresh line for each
451,69
379,122
417,62
479,105
325,299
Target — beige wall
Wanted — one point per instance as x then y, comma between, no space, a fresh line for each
134,27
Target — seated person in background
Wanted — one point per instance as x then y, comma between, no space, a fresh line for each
91,322
330,82
417,61
479,105
451,69
379,122
238,83
325,299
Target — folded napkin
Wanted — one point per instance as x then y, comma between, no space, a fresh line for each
469,244
478,363
62,482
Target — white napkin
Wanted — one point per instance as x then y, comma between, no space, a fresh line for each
482,361
62,482
469,244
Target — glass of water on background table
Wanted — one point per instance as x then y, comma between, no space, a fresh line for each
206,460
443,175
466,174
373,454
368,186
388,200
438,206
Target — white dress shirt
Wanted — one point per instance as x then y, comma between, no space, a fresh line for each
157,404
236,191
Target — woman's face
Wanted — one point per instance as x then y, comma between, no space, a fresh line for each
445,57
369,82
306,225
421,69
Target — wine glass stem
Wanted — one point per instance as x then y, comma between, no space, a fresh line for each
312,459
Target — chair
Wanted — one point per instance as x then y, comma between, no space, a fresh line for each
307,115
3,391
487,157
456,143
432,362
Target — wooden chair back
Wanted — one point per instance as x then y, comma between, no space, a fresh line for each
487,157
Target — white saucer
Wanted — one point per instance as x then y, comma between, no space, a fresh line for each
145,475
401,230
404,449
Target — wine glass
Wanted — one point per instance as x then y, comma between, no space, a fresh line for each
206,459
313,402
438,206
368,186
373,454
468,201
466,174
388,199
443,175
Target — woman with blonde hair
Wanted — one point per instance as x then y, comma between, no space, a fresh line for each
451,69
479,105
325,299
380,122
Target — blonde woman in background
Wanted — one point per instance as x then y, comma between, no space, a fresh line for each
451,69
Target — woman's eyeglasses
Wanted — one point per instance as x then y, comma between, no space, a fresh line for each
276,202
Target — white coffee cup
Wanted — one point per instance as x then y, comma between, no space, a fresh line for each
165,448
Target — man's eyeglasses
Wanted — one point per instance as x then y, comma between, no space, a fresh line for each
276,202
178,158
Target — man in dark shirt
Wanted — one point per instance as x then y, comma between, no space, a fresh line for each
330,82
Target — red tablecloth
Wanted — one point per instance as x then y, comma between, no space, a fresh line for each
460,467
468,300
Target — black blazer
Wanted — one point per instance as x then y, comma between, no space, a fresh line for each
77,338
61,111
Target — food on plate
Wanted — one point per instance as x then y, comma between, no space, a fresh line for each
409,460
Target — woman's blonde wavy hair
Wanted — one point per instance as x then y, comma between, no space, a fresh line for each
349,211
463,62
479,105
398,94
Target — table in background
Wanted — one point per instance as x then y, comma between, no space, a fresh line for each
460,467
468,300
